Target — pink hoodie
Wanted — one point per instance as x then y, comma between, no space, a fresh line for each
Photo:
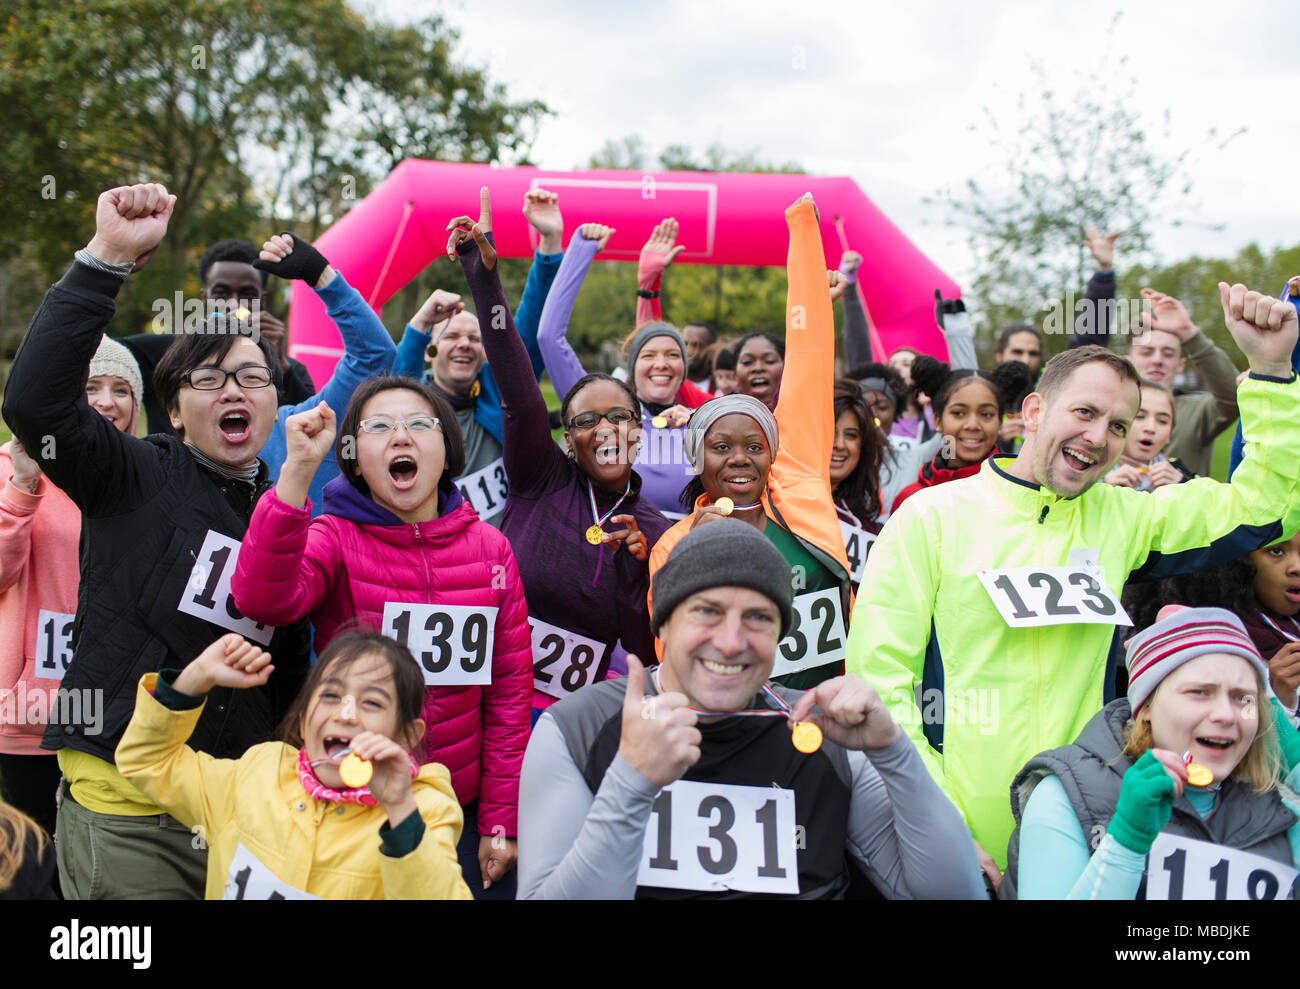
44,527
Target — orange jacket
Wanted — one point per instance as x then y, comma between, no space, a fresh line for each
798,491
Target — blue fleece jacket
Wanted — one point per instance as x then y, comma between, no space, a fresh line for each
367,351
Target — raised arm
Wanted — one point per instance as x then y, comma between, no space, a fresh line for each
657,254
1093,324
1291,294
542,211
856,335
805,411
101,469
528,449
562,364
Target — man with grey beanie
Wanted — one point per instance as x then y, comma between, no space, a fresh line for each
753,790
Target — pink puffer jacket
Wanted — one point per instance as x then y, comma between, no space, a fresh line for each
342,567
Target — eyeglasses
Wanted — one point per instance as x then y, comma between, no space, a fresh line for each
215,378
414,424
586,420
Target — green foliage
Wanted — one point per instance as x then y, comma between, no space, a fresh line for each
259,115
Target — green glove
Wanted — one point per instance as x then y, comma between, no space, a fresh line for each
1145,802
1288,739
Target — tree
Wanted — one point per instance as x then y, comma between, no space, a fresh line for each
1086,158
250,112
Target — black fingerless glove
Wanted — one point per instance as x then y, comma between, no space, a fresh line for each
303,262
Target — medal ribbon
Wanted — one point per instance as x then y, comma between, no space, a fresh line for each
1274,626
600,520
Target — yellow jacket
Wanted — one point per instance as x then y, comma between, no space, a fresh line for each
327,850
798,482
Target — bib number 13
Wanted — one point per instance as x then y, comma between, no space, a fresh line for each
1031,596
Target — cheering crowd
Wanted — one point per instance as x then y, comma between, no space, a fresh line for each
918,630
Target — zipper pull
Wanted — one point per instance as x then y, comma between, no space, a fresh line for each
1042,516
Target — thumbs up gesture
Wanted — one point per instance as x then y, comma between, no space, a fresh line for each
659,739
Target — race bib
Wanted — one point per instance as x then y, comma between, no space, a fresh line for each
53,644
485,489
816,635
207,595
1186,869
1072,595
451,642
249,879
857,542
713,836
564,661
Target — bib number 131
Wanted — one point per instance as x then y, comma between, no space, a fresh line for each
713,836
1031,596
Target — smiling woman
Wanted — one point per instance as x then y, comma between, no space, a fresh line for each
769,470
579,525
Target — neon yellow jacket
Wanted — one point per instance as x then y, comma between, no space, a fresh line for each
327,850
923,621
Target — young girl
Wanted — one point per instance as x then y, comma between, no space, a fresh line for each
1164,793
1261,588
281,822
968,410
855,474
399,549
1143,465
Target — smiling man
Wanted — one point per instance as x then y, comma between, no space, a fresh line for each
697,779
1008,582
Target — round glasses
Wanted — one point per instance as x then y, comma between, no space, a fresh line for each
414,424
215,378
586,420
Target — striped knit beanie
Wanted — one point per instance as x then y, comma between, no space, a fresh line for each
1181,634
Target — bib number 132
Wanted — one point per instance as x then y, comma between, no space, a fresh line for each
714,836
1031,596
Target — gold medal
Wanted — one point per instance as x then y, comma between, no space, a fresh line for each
595,534
724,505
807,737
1199,775
659,422
355,771
242,314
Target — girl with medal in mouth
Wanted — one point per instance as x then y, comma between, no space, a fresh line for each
744,470
583,596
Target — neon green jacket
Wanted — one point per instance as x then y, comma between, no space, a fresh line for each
979,698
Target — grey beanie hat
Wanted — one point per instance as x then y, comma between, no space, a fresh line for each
714,409
114,359
648,333
725,553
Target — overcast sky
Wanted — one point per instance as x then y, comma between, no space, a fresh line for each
887,90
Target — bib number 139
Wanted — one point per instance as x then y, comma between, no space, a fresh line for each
713,836
1031,596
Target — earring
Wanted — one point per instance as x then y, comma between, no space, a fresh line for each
568,452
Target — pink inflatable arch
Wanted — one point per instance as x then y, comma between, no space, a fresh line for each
396,231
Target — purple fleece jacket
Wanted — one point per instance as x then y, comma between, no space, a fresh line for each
587,589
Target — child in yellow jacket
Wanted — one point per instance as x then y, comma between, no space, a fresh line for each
281,822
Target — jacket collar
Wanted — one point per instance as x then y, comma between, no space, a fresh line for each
340,498
1029,497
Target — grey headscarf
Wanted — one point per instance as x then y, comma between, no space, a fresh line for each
714,409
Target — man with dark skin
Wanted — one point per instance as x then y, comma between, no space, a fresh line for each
699,338
228,281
